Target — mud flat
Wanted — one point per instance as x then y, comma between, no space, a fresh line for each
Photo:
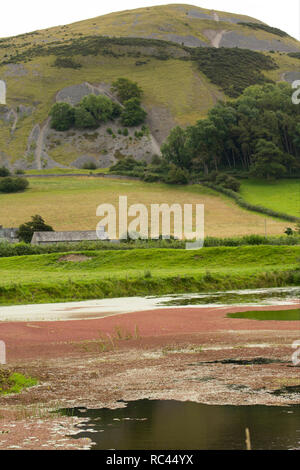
178,354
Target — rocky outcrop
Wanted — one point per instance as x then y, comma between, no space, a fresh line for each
104,146
233,39
74,94
291,76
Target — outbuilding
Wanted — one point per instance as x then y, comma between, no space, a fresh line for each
50,238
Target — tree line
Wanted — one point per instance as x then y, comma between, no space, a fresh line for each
258,133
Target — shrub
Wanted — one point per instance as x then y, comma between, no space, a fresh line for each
62,116
83,119
88,114
128,166
100,107
37,224
116,110
226,181
89,166
4,171
233,69
152,177
177,176
232,183
66,62
13,185
133,114
156,160
289,231
126,89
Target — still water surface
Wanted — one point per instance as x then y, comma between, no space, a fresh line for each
173,425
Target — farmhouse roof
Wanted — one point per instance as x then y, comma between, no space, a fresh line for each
78,236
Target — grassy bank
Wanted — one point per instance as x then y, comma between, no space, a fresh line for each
100,274
21,249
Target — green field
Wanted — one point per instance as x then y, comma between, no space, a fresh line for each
276,315
41,278
70,204
280,195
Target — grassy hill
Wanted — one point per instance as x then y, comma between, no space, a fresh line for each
155,48
186,24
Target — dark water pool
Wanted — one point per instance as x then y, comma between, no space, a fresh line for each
173,425
255,296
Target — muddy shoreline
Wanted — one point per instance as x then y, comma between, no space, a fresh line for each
186,359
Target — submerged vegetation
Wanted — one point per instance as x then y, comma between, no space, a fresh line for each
267,315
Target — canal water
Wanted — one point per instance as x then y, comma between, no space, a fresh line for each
173,425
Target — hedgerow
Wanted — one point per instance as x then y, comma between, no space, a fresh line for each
21,249
246,205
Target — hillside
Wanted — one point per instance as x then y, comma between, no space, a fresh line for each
152,46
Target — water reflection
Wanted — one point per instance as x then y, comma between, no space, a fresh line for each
172,425
265,296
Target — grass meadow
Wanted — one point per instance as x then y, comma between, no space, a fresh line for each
48,278
279,195
70,204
